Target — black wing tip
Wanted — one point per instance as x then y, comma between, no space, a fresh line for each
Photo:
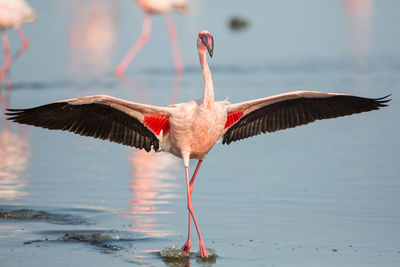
12,113
376,103
14,109
381,101
384,98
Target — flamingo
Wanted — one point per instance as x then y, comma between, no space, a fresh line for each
151,7
13,13
189,130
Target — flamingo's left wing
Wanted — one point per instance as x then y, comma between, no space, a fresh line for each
289,110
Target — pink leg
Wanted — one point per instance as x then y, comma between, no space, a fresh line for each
191,212
144,37
7,58
188,244
25,44
175,44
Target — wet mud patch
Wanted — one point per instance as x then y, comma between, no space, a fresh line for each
106,241
39,215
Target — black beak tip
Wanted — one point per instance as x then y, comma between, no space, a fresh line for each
209,45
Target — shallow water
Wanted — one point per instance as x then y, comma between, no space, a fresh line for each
325,194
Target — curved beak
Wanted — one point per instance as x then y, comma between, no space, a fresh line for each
208,41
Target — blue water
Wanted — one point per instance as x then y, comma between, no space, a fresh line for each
325,194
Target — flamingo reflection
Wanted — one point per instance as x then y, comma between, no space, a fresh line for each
91,35
14,155
153,178
152,185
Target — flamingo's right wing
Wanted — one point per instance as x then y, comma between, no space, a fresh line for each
105,117
289,110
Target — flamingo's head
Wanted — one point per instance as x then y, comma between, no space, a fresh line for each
205,41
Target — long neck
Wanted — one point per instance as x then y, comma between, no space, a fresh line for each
208,97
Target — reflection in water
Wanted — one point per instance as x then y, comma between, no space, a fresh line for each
153,179
359,24
14,154
152,184
7,231
91,35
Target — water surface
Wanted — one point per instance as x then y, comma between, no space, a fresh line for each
325,194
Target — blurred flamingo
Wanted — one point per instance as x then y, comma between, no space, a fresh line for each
151,7
12,14
189,130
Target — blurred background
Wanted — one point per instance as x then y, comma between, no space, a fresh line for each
325,194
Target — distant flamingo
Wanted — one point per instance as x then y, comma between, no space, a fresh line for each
189,130
12,14
151,7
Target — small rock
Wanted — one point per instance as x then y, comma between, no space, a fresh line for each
211,253
172,253
237,23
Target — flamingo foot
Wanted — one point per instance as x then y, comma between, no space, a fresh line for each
186,247
203,251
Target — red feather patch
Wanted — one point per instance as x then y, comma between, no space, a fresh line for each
156,123
232,118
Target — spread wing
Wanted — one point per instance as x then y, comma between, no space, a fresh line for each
292,109
116,120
